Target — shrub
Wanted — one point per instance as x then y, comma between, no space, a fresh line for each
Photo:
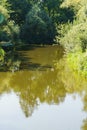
78,62
73,37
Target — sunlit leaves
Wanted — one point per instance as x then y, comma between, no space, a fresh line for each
4,11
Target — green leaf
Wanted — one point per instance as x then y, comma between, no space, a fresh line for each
2,52
1,18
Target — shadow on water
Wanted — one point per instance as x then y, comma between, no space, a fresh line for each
34,66
24,58
32,58
27,64
39,57
29,47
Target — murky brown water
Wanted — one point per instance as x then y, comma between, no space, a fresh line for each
41,97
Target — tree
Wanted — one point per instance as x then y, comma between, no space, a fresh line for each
38,27
4,16
52,7
19,10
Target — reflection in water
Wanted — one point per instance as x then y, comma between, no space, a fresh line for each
84,127
39,81
73,83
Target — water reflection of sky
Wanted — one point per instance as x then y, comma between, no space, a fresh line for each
43,96
65,116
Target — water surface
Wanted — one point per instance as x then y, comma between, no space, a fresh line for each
41,97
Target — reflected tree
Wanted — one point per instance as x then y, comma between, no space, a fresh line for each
84,127
27,106
37,87
49,86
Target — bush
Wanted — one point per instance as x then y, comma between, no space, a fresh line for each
73,37
78,62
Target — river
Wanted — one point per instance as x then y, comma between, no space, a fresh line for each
41,97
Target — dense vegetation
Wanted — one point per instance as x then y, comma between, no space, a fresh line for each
73,36
33,22
44,22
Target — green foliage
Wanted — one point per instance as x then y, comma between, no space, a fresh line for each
38,27
79,6
65,15
5,8
52,8
2,54
78,62
73,37
35,20
62,30
13,30
1,18
9,31
4,16
19,10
